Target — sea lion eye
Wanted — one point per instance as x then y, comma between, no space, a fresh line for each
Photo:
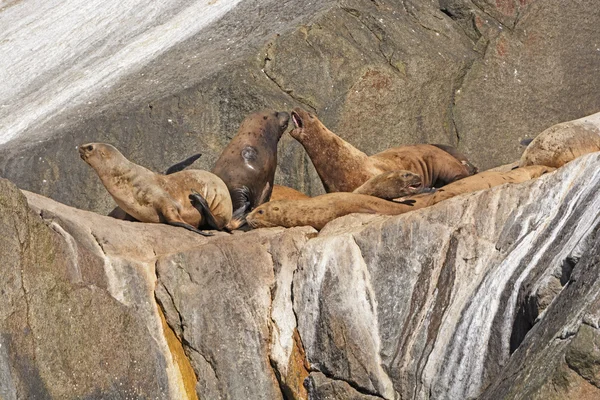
265,117
90,148
261,212
275,208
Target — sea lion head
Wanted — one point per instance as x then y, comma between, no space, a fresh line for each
101,156
404,180
305,123
265,215
269,124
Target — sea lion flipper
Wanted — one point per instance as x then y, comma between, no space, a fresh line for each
201,205
408,202
189,228
240,198
180,166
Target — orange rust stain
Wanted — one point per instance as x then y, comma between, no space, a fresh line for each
478,22
506,7
180,359
377,80
297,371
502,47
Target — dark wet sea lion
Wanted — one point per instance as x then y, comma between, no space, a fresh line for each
343,168
151,197
318,211
247,165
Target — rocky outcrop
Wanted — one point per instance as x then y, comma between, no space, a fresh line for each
486,295
478,74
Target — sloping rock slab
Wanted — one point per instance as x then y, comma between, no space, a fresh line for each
425,305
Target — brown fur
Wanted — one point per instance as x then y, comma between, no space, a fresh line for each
343,168
320,210
286,193
391,185
564,142
247,165
152,197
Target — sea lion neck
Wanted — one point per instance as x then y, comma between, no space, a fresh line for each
332,155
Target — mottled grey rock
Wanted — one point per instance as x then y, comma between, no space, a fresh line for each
222,293
427,305
322,388
537,71
62,336
481,75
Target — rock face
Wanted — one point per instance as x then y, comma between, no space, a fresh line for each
487,295
477,74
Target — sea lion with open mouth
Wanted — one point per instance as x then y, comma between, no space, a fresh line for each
343,168
151,197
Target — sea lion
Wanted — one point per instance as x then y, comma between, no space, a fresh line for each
391,185
320,210
152,197
286,193
118,213
564,142
247,165
343,168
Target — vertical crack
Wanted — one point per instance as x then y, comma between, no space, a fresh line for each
289,92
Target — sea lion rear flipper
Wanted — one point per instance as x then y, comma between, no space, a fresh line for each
180,166
201,205
189,228
408,202
265,195
118,213
525,142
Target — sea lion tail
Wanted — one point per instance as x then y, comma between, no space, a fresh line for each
526,141
180,166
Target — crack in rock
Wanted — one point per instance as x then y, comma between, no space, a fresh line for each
290,92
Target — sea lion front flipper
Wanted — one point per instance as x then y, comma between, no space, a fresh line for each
180,166
265,195
189,228
240,197
201,205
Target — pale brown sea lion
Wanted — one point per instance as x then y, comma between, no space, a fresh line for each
320,210
343,168
247,165
151,197
118,213
391,185
564,142
286,193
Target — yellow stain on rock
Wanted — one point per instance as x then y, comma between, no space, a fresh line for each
180,360
297,371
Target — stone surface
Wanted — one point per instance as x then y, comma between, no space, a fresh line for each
486,295
62,333
427,305
478,74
